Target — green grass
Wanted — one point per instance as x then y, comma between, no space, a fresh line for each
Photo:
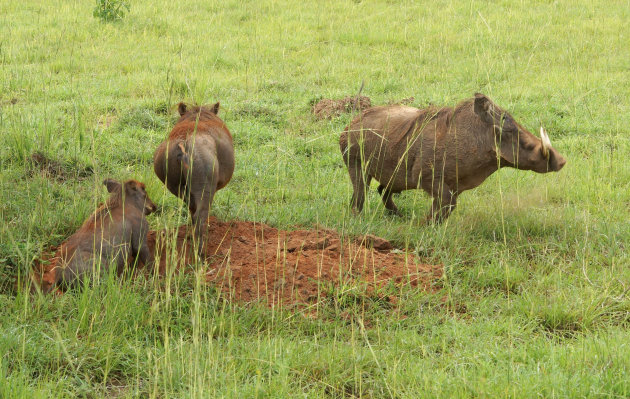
534,301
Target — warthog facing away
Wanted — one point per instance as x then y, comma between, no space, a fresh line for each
196,160
116,230
444,151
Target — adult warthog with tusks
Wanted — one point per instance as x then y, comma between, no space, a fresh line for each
112,235
444,151
196,161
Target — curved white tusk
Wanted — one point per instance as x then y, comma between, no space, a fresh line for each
546,143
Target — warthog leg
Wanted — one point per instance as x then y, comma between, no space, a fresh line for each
359,183
444,201
386,193
141,250
201,204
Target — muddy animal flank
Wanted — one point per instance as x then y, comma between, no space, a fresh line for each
444,151
196,161
113,234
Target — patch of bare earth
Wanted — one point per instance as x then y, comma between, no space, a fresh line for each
252,261
52,169
12,101
328,108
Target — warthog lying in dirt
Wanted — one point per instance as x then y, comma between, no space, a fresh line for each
116,230
444,151
196,160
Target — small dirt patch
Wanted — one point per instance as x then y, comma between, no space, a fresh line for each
11,101
53,169
252,261
328,108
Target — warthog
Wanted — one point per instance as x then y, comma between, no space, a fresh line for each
196,160
116,230
444,151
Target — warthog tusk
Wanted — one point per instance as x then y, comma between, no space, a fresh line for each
546,143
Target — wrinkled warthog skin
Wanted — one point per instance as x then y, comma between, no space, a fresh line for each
195,161
116,231
444,151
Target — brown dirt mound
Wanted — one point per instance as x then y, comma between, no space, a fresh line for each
327,108
252,261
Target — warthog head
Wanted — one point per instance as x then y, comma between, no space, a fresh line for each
516,146
134,192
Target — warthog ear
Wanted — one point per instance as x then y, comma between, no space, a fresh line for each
181,108
485,108
111,185
132,185
215,108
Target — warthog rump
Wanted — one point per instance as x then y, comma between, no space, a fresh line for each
195,161
445,151
114,232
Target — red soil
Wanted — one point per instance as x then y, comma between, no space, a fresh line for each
251,261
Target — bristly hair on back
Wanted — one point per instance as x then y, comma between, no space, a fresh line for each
408,127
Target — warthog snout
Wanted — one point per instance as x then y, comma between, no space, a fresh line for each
555,160
149,207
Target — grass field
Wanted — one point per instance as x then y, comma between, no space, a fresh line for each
535,296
